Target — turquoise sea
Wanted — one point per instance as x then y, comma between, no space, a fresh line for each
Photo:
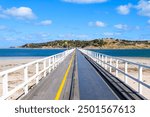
48,52
125,52
29,52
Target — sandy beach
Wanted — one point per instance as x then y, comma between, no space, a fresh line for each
16,78
133,71
7,63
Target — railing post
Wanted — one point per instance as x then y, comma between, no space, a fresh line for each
26,79
106,62
63,55
126,71
117,68
99,57
37,73
56,60
53,62
44,63
102,60
140,79
49,62
110,69
5,84
95,56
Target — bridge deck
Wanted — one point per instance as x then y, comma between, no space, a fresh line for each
83,82
91,85
48,87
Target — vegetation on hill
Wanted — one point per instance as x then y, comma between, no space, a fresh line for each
108,43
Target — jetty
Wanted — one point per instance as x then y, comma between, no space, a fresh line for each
75,74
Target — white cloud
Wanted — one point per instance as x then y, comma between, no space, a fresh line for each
100,24
85,1
121,26
97,24
73,36
20,12
124,9
111,33
144,7
46,22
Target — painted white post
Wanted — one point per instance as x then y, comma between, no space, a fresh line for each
110,68
126,71
44,63
117,68
102,60
58,58
99,59
5,84
54,62
106,62
26,79
64,55
95,56
37,73
140,79
49,65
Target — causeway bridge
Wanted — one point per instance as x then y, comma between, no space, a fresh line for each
75,74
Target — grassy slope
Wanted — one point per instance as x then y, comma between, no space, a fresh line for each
97,43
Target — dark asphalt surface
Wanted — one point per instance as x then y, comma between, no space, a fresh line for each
88,83
48,87
91,85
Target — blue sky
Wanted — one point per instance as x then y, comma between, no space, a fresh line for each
34,21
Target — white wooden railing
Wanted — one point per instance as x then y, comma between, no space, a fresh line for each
49,64
106,62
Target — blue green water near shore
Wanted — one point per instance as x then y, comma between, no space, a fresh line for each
29,52
49,52
125,52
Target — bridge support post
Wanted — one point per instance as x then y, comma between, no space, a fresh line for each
102,60
44,63
37,73
49,65
53,59
140,79
99,59
5,84
96,57
106,62
26,79
110,68
117,68
126,71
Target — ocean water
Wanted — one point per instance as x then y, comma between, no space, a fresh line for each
125,52
29,52
15,53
